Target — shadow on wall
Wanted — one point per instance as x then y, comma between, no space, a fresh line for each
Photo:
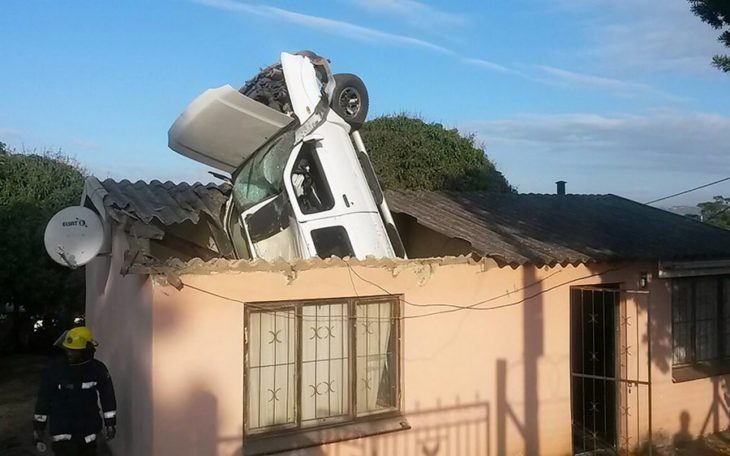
662,358
452,430
122,347
661,332
718,410
449,430
683,438
533,336
685,444
533,328
191,427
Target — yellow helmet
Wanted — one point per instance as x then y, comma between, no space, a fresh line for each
77,338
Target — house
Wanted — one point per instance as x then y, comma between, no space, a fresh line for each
521,324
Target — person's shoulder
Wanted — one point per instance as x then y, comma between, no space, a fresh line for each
99,367
97,364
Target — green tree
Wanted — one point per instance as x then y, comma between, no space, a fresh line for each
408,153
716,212
717,14
32,188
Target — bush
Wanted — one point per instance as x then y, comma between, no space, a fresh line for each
408,153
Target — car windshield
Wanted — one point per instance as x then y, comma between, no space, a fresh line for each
262,176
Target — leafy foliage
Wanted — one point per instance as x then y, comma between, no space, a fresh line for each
408,153
717,14
32,188
716,212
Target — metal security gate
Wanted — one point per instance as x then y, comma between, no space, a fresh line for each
611,404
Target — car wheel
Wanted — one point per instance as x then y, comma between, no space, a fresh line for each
268,87
350,99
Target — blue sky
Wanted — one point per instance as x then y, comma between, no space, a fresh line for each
613,96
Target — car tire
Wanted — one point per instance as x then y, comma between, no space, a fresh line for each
268,88
350,99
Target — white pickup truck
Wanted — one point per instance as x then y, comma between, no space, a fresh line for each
303,184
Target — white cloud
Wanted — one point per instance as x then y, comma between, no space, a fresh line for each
559,77
664,141
572,79
641,36
491,66
540,74
322,24
642,157
415,13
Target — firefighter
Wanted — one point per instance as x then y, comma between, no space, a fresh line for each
71,389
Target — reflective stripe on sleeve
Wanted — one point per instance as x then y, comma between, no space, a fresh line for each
88,385
59,437
90,438
110,414
40,418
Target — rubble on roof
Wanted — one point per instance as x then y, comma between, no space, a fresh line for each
510,229
165,220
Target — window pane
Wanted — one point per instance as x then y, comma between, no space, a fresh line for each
376,357
262,176
706,307
309,181
706,341
272,368
682,301
681,321
706,299
325,363
332,241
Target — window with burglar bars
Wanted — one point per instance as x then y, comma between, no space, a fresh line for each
700,320
314,363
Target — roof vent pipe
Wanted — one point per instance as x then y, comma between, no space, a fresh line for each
561,187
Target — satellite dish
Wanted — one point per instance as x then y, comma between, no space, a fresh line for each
74,236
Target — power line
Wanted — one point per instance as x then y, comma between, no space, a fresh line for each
502,306
688,191
494,298
453,307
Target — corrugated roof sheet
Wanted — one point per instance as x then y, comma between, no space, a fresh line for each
169,203
546,229
512,228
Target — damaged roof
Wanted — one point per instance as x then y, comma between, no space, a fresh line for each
547,229
511,228
165,202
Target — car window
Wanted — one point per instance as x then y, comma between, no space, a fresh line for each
310,182
332,241
262,176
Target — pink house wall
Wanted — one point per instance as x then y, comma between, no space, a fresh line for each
506,370
119,312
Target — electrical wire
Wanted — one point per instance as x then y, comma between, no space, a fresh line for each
454,308
494,298
687,191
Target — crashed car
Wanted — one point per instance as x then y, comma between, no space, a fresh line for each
303,184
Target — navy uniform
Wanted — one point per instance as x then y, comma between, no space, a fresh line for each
70,391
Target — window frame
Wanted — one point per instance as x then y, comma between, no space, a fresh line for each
313,150
696,369
293,436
